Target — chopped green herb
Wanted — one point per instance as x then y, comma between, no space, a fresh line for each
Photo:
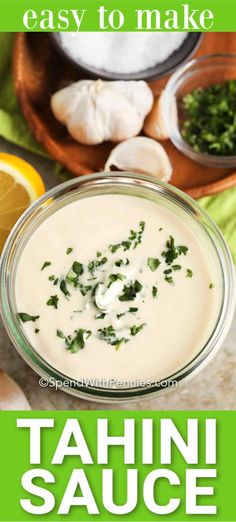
74,273
56,281
99,254
168,271
109,335
189,273
132,310
69,250
84,289
130,292
115,277
78,343
60,334
153,263
126,245
120,315
27,317
137,236
173,251
169,279
134,239
64,288
176,267
134,330
53,301
154,291
209,123
122,262
93,265
51,278
77,268
47,263
36,330
160,229
102,315
114,248
211,286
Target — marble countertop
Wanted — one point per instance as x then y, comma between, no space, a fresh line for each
213,388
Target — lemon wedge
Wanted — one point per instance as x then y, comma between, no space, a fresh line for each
20,185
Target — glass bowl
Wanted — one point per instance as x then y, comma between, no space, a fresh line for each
128,184
201,72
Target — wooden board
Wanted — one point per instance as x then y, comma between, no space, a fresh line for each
39,71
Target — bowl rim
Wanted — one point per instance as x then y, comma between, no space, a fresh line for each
173,128
101,394
149,74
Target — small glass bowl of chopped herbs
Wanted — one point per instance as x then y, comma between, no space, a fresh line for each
200,108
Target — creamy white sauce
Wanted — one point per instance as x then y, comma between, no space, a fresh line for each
174,324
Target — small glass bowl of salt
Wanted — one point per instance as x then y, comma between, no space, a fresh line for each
126,55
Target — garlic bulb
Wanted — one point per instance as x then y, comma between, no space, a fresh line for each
141,155
97,111
155,124
11,395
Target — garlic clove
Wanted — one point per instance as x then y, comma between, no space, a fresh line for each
141,155
155,124
11,395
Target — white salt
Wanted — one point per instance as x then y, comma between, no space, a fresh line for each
122,53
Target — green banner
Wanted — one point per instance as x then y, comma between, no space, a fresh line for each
105,465
125,15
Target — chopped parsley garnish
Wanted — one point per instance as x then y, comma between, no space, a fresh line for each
160,229
77,268
118,316
114,248
115,277
109,335
74,273
211,286
60,334
153,263
69,250
56,281
134,239
51,278
132,310
130,292
24,317
154,291
122,262
168,271
47,263
176,267
95,264
173,251
189,273
84,289
102,315
169,279
36,330
209,123
78,342
64,288
53,301
134,330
